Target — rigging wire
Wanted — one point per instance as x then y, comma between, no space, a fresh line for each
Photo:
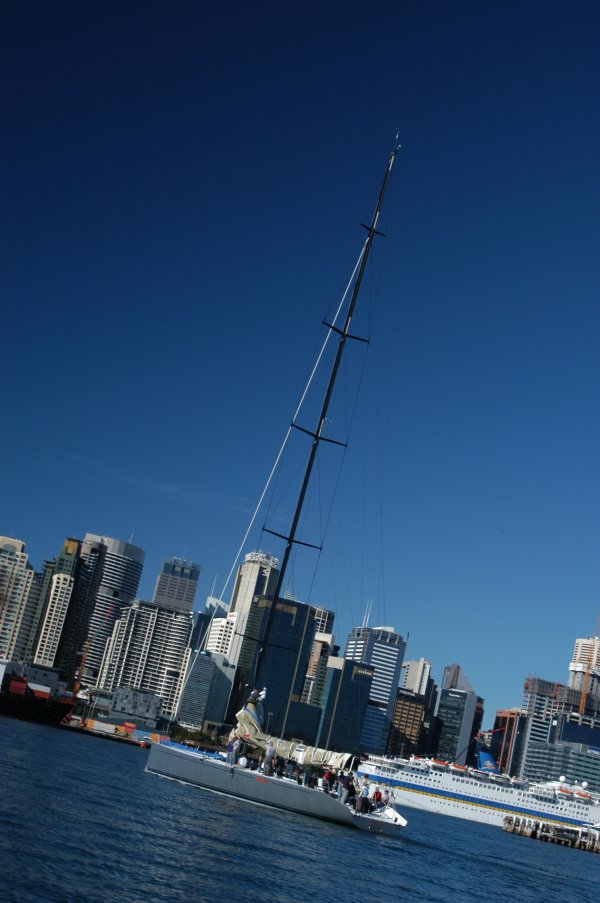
310,379
296,413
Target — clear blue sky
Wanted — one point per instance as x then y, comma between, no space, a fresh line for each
182,192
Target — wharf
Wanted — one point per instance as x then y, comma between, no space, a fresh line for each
580,838
103,735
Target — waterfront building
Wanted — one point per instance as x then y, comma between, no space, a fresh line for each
114,569
140,706
344,704
576,761
16,577
546,704
177,583
382,649
149,650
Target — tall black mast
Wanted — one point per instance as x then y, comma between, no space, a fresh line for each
344,334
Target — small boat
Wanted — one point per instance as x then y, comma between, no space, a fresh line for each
193,767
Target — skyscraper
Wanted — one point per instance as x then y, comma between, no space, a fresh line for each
584,670
177,583
117,568
16,576
256,577
459,714
345,700
382,649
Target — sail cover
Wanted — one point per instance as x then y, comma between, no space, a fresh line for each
249,729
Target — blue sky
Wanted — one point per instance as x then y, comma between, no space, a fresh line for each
181,199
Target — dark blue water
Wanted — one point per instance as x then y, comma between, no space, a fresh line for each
80,820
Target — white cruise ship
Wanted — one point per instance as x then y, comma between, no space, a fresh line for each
480,795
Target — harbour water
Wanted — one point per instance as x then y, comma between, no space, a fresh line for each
80,820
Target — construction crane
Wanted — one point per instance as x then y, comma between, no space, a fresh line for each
80,669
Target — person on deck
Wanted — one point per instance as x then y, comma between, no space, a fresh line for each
269,756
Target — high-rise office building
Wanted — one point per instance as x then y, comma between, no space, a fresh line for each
177,583
116,567
345,699
584,669
16,577
455,679
382,649
149,650
408,719
220,634
205,693
415,675
256,577
281,665
459,714
316,673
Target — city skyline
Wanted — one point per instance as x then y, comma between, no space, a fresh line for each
180,222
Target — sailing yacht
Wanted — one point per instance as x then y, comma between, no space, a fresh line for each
212,773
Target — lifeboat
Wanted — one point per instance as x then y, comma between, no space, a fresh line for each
583,797
438,764
564,793
458,769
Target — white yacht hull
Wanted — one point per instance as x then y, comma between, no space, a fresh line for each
193,767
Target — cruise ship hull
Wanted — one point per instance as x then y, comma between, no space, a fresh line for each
193,767
486,801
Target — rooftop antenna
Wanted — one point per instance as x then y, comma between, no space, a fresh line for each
365,622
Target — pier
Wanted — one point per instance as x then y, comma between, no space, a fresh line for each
580,838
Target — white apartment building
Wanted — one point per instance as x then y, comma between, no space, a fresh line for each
149,650
61,589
